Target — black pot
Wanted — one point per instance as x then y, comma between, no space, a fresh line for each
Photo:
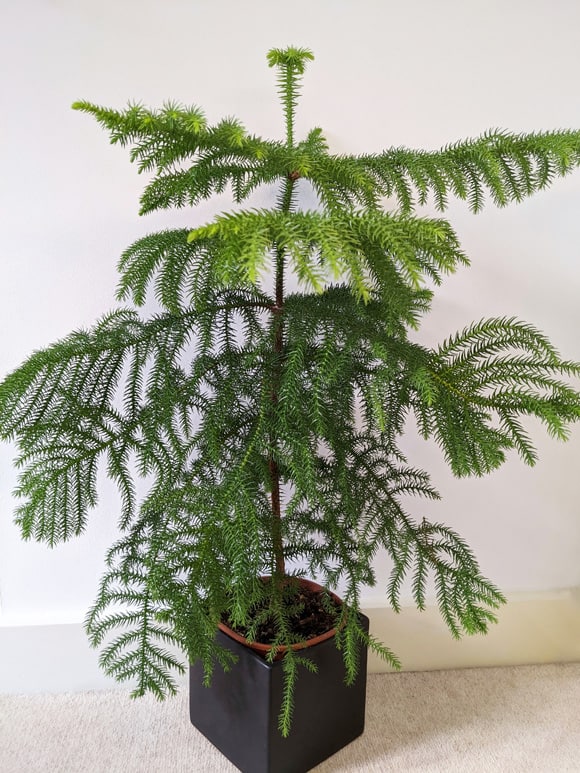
238,713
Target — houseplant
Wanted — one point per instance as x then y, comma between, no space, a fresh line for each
268,420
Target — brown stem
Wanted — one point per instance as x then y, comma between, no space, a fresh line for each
277,521
272,463
277,309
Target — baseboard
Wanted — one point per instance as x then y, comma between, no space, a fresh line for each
539,627
533,628
49,658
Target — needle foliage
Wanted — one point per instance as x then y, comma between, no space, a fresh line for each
267,420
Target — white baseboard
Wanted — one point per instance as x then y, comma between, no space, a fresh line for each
539,627
49,658
533,628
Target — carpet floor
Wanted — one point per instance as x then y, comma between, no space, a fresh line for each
510,720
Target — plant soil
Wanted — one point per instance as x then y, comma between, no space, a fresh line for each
311,618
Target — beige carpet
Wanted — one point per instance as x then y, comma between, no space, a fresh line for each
484,720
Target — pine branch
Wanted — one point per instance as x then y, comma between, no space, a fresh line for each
138,652
508,167
498,368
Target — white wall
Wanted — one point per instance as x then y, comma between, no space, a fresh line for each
386,73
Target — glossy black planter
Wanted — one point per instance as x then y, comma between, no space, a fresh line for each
239,712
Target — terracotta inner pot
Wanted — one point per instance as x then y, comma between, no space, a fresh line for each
264,649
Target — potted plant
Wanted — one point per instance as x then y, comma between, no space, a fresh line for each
267,418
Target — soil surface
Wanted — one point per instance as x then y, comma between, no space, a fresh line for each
311,618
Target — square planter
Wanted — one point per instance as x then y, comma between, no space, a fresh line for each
238,713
